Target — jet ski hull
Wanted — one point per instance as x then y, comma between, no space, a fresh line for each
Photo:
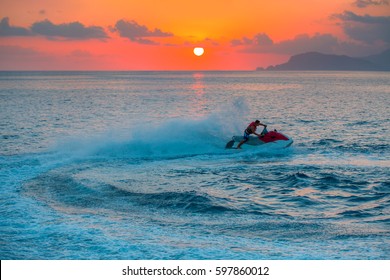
267,138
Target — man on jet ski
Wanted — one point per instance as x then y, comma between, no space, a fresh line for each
251,129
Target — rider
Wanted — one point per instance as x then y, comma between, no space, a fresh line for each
251,129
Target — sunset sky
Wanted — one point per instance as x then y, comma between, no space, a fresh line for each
161,35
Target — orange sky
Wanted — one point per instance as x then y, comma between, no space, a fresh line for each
160,35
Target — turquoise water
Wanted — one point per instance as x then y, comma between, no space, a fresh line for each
132,165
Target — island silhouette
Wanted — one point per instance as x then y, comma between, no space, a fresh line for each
312,61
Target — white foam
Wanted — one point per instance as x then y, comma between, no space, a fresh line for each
172,137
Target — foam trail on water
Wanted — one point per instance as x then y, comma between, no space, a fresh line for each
169,138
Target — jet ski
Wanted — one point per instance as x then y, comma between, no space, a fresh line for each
266,137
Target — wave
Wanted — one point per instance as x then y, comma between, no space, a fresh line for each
289,197
62,191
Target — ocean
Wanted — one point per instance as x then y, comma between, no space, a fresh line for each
133,165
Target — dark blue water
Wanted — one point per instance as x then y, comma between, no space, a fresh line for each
132,165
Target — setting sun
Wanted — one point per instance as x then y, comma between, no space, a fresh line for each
198,51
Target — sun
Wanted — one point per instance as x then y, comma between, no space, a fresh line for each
198,51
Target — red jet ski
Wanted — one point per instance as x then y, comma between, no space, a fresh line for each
265,137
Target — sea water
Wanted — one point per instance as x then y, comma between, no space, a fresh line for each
132,165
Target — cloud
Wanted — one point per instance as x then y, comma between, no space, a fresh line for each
325,43
263,39
137,33
262,43
367,29
241,42
73,30
260,39
351,16
7,30
319,42
366,3
78,31
367,35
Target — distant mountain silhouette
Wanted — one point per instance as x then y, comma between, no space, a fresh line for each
319,61
382,59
